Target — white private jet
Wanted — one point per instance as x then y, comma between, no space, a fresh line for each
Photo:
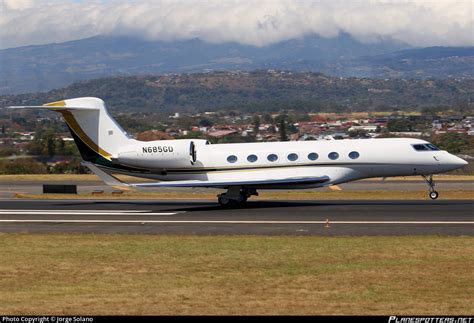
241,168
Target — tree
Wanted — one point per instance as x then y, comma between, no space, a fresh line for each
205,122
22,166
256,124
454,142
282,130
280,117
50,145
46,143
400,125
267,118
186,122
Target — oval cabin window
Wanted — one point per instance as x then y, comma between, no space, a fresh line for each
272,158
232,159
252,158
312,156
333,155
292,157
354,155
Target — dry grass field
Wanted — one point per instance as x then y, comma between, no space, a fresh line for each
146,274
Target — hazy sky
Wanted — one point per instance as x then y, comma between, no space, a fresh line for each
259,22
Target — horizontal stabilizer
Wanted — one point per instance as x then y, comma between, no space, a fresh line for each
71,104
52,108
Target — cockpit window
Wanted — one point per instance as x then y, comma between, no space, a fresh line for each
421,147
432,147
425,147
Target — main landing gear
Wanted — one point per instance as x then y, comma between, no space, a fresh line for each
235,196
429,180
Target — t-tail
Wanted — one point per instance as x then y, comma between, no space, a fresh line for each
97,135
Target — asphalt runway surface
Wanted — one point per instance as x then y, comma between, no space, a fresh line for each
318,218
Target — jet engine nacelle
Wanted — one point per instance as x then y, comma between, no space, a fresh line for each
160,154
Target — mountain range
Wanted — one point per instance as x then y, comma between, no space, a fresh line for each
259,91
45,67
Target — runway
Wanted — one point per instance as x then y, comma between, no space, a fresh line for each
323,218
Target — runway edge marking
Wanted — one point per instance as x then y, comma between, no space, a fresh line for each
11,211
225,222
85,213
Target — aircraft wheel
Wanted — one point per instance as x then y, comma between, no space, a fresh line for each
434,195
230,203
224,201
243,199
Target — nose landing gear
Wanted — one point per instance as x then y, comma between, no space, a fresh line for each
434,195
429,180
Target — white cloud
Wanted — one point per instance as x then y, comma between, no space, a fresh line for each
416,22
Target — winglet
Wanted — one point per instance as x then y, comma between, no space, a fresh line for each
107,178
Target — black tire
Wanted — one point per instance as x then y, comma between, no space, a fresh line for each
243,199
223,201
227,203
230,203
434,195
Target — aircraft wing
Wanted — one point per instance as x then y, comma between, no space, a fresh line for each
115,182
263,182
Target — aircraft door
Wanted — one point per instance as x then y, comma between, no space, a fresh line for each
192,153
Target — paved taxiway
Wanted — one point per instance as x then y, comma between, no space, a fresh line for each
449,217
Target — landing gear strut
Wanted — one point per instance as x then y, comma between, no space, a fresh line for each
429,180
235,196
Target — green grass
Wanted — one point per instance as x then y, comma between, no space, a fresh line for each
146,274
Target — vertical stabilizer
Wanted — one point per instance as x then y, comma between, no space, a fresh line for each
95,132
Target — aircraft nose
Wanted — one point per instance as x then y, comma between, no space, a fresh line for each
455,162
